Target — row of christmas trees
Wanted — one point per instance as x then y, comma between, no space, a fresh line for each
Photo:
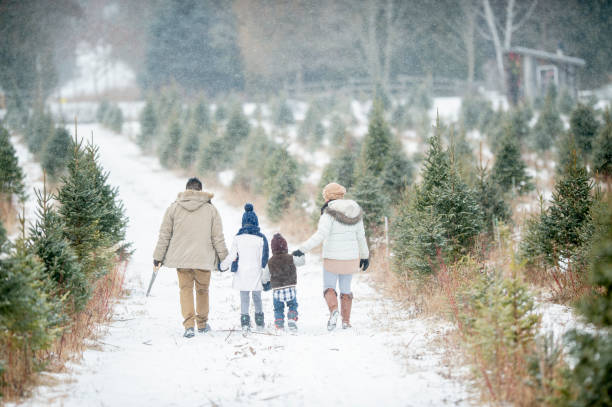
50,272
186,137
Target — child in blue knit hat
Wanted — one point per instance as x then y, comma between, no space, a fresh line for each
247,259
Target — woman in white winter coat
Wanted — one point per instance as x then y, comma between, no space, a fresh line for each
247,258
345,250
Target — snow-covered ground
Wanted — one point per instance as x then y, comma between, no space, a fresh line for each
388,358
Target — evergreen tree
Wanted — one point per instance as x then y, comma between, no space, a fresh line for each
11,176
112,221
558,233
215,155
368,193
519,122
474,109
238,128
377,144
337,131
220,113
194,43
257,152
282,182
509,170
602,148
201,116
60,262
548,126
307,131
29,319
114,118
56,152
93,217
102,111
148,126
169,149
591,378
583,126
490,198
566,149
190,146
283,115
40,128
397,173
566,102
449,205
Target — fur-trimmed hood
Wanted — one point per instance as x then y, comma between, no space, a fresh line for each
345,211
191,200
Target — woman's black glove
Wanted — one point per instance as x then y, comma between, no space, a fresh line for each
156,263
297,253
364,264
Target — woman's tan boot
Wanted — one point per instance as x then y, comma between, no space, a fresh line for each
331,297
346,302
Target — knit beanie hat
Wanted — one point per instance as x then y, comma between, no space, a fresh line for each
249,218
279,244
333,191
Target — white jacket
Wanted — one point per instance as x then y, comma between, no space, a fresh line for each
341,231
249,250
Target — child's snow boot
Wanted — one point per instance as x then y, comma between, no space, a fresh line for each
346,301
279,323
331,297
245,323
259,321
189,333
292,316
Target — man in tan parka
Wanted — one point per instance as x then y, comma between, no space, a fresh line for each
191,240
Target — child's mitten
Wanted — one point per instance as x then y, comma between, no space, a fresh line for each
267,286
235,265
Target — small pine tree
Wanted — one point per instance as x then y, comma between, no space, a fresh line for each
490,198
60,262
40,128
548,126
169,149
215,155
368,193
102,111
602,148
148,126
377,144
282,182
201,117
257,152
583,126
558,233
189,149
473,111
308,127
114,119
220,113
56,152
509,170
565,101
397,173
283,114
590,381
238,127
519,123
11,176
449,204
337,131
29,319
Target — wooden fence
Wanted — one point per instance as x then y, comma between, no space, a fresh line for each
401,85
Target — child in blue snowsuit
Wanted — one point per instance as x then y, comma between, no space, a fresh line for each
281,272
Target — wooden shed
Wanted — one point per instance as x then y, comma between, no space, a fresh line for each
530,72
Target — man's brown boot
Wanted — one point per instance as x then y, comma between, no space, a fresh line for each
331,297
346,301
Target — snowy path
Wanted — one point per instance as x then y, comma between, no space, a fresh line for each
143,360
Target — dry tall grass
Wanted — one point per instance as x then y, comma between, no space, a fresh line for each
19,376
